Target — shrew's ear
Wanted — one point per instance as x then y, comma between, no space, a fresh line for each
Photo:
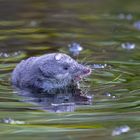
58,57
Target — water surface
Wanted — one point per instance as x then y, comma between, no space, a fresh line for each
106,30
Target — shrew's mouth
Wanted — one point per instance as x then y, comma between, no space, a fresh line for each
78,78
84,74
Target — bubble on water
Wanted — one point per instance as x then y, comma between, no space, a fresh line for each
99,66
137,25
121,16
129,17
33,23
16,53
63,107
128,46
12,121
4,54
89,97
125,16
113,97
120,130
108,94
75,48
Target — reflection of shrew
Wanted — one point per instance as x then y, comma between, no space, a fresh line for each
61,102
48,73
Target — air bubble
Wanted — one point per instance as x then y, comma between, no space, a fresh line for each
99,66
128,46
75,48
137,25
120,130
125,16
12,121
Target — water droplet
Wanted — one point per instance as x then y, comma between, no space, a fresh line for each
113,97
137,25
128,46
12,121
33,23
4,54
108,94
121,16
125,16
120,130
129,17
99,66
75,48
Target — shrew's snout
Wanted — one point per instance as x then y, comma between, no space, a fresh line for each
86,71
83,70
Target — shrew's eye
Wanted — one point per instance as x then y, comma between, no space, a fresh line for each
66,67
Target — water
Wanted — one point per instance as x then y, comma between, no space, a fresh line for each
32,28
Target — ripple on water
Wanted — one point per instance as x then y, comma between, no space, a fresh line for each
8,62
10,57
103,34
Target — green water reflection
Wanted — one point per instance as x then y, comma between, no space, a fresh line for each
31,28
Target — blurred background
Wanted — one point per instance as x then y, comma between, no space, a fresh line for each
109,34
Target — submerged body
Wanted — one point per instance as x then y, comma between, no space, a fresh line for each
48,72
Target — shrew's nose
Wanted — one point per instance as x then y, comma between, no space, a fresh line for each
86,70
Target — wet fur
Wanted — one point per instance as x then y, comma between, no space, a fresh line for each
47,72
